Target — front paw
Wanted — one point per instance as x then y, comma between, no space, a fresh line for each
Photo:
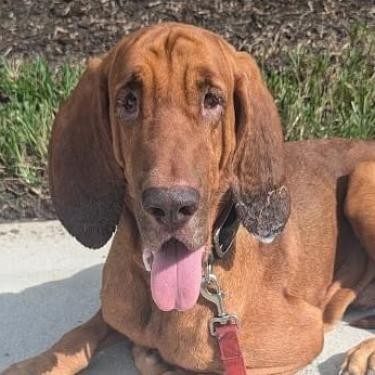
39,365
16,370
360,360
149,362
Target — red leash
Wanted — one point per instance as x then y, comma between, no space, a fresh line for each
230,349
223,326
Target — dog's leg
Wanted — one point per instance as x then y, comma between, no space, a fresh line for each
149,362
71,354
360,205
360,210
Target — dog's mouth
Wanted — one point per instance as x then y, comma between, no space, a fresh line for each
176,273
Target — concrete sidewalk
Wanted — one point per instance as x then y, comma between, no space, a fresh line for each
49,283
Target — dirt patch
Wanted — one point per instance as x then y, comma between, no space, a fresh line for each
19,201
62,31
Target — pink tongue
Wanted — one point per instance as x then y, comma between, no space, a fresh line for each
176,276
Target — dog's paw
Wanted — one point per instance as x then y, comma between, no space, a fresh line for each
33,366
149,362
360,360
16,370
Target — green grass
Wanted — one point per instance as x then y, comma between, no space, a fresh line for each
328,95
319,95
32,92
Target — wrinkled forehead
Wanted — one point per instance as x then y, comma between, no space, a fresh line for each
172,51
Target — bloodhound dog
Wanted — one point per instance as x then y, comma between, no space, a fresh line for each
164,134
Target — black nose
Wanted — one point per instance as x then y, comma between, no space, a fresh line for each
172,207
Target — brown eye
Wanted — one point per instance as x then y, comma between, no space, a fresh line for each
127,105
130,103
211,100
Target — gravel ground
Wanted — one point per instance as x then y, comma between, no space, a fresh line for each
64,30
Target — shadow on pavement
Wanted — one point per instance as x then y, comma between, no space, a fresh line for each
332,365
35,318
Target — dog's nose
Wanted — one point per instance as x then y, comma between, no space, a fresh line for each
172,207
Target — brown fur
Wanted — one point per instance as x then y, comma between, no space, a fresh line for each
320,194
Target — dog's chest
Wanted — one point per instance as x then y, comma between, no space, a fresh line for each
182,338
276,331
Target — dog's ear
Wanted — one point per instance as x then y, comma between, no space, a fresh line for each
86,183
259,186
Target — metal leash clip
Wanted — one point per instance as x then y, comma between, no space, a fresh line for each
211,291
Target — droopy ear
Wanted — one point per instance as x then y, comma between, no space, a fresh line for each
260,191
85,181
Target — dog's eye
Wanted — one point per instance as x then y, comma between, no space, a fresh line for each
127,105
211,100
130,103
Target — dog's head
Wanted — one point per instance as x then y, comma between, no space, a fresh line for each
168,122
